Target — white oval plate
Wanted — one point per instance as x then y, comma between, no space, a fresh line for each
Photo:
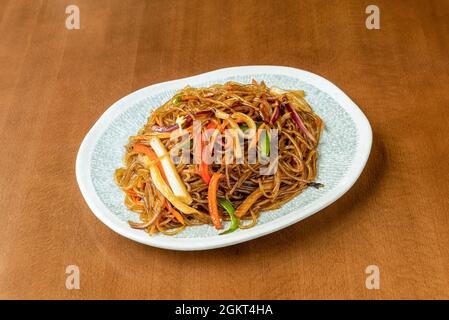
343,151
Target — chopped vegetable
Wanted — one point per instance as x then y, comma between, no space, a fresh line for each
212,195
265,143
140,148
174,180
231,211
204,172
152,162
203,167
275,115
237,145
177,99
167,193
299,122
175,213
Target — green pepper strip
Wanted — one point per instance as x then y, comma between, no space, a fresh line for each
265,147
177,99
230,210
243,127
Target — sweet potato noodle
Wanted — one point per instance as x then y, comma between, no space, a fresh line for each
170,195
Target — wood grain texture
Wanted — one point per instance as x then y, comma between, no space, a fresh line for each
55,83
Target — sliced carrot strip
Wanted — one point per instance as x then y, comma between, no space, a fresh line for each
175,213
212,195
140,148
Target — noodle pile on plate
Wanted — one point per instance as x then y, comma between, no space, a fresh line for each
170,195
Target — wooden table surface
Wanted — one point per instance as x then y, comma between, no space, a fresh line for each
55,83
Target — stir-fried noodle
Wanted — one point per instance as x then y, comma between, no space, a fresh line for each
171,191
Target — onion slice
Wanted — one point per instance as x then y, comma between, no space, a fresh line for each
299,122
164,189
275,114
174,180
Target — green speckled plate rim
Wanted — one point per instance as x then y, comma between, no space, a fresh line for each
95,181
